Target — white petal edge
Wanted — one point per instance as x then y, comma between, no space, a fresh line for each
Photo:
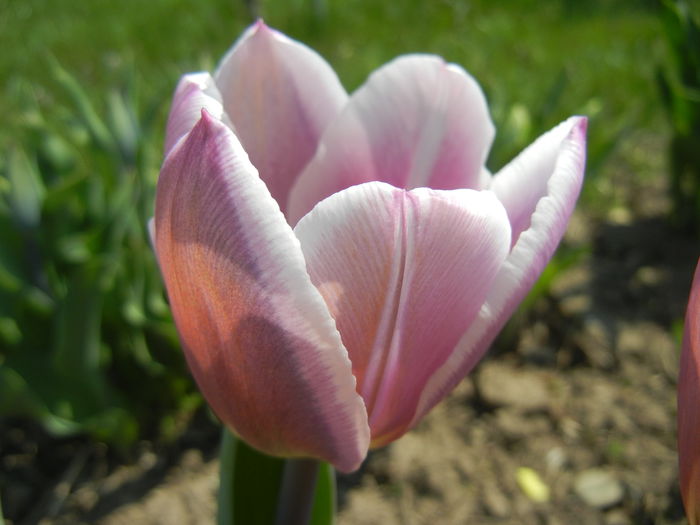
524,181
194,92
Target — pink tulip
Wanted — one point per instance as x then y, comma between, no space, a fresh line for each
336,265
689,407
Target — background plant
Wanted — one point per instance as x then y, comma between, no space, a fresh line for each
87,342
680,88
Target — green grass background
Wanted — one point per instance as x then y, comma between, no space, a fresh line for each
516,49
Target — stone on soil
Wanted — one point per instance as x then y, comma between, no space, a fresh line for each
598,488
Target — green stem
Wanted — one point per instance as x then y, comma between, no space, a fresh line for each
297,492
227,458
257,489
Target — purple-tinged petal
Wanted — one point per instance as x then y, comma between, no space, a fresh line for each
404,274
256,333
280,96
416,122
528,257
689,407
194,92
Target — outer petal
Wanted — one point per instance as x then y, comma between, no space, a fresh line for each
416,122
533,248
280,95
257,334
689,407
523,182
194,92
404,275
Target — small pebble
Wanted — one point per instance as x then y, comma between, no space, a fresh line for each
598,488
502,385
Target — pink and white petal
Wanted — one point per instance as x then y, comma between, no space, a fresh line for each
689,407
531,253
404,273
280,96
416,122
194,92
257,334
524,181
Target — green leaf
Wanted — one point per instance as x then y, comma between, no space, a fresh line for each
27,190
124,126
55,153
323,512
92,121
75,247
9,331
17,398
77,344
250,483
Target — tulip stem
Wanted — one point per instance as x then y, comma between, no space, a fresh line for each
297,492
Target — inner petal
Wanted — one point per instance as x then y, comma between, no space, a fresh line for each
404,273
416,122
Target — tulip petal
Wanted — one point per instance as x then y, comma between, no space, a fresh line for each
280,96
416,122
532,250
689,407
256,333
194,92
404,273
523,182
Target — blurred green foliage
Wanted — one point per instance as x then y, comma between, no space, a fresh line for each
680,87
86,340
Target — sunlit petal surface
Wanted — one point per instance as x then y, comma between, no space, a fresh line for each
280,96
404,274
416,122
257,334
194,92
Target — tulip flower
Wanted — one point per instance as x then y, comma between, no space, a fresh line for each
336,265
689,407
